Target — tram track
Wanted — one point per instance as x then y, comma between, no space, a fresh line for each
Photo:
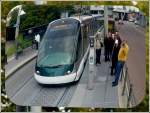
13,85
26,91
63,96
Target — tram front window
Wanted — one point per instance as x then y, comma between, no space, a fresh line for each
57,49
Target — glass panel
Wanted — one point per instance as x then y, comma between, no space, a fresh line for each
58,45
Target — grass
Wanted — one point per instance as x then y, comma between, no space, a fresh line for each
24,43
11,50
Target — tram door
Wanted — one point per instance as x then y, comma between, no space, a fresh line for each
79,50
85,38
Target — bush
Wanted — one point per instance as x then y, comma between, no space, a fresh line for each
11,50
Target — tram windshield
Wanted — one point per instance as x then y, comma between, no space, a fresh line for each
58,46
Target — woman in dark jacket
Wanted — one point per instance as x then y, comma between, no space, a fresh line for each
111,45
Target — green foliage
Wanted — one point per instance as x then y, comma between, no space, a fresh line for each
13,18
6,6
5,102
23,43
3,30
38,15
144,7
11,50
35,15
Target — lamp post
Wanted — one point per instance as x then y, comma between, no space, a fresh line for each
20,12
105,20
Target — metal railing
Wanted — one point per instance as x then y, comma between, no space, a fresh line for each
127,88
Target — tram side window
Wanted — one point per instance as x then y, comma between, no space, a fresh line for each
85,38
79,47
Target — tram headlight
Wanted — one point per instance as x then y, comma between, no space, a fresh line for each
38,72
68,72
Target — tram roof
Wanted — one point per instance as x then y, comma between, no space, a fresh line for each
80,18
85,17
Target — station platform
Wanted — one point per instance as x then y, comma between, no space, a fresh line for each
102,94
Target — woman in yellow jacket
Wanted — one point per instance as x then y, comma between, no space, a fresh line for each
122,57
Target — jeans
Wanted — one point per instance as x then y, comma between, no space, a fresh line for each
114,64
119,67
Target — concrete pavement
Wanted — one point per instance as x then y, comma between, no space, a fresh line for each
102,94
13,64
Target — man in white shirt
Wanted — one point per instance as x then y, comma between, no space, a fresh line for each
37,39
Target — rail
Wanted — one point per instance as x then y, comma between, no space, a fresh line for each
127,88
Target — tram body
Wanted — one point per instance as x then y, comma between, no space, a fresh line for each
63,51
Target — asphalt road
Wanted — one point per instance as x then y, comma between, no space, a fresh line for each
136,37
22,89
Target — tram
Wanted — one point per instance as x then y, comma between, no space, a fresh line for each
63,50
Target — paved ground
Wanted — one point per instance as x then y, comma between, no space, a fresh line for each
136,37
12,62
102,95
22,89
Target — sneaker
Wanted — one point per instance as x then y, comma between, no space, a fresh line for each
114,84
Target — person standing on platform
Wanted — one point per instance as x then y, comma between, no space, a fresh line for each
111,44
37,39
98,46
122,58
118,38
114,57
33,43
106,44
